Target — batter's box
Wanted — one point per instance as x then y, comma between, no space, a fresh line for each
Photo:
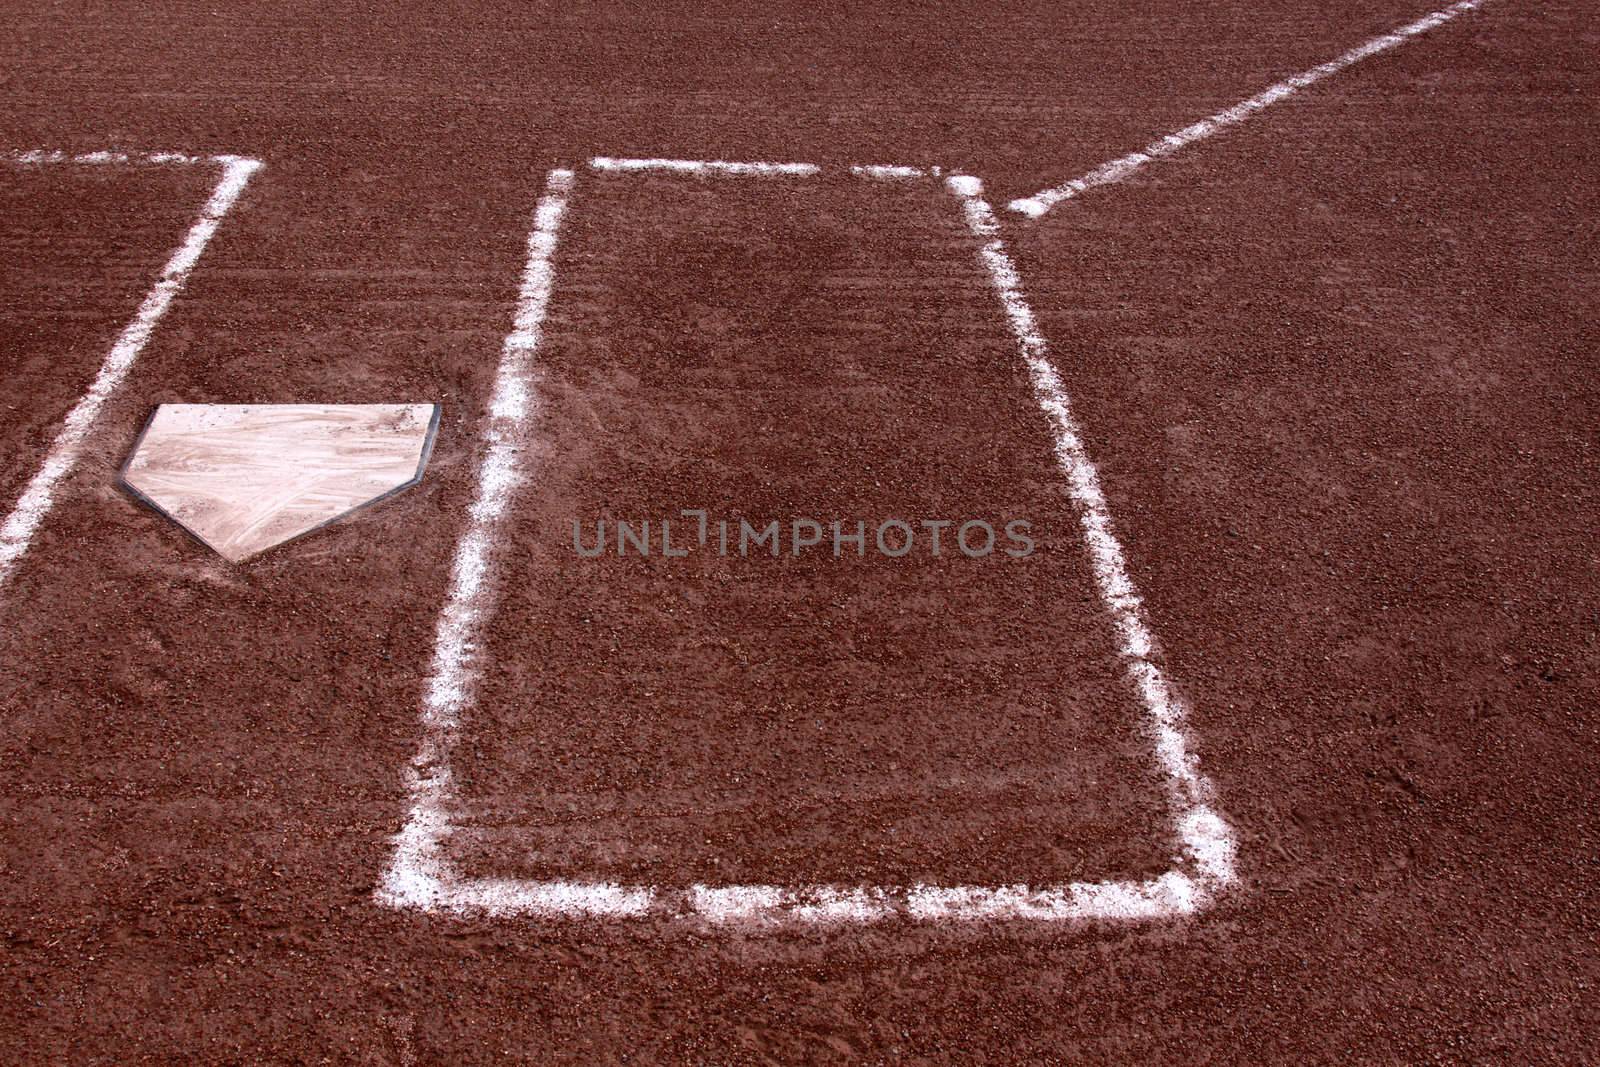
427,875
28,512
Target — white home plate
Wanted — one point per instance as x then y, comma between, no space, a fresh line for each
245,477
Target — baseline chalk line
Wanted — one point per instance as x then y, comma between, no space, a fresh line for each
1117,169
35,502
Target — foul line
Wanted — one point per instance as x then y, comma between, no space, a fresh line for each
421,875
1118,169
34,504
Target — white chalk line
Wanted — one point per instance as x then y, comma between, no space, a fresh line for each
885,172
703,166
18,530
708,167
1203,833
421,876
40,155
1117,169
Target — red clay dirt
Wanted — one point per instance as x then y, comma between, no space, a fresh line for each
1336,367
82,246
786,350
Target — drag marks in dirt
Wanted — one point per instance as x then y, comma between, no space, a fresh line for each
1117,169
421,875
34,504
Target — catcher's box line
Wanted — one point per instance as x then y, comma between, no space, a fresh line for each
420,875
34,504
1117,169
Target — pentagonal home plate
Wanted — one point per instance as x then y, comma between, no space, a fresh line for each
245,477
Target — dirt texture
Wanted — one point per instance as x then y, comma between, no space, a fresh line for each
1337,368
790,350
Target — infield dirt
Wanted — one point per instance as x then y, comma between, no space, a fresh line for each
1337,369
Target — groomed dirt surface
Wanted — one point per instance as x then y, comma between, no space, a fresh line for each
796,349
1336,368
82,247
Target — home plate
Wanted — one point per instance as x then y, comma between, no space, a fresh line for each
245,477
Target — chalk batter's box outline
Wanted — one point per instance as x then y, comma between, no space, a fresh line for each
422,877
38,496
